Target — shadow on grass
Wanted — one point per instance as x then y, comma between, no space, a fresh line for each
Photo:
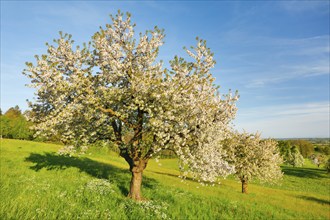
121,177
304,172
310,198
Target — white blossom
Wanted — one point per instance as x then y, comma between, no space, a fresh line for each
115,89
253,157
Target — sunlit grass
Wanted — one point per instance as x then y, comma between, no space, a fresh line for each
36,183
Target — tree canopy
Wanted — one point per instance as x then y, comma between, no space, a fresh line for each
253,158
114,88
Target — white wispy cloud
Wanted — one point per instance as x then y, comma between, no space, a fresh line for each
287,110
274,60
285,121
289,72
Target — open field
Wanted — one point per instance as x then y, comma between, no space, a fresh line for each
37,183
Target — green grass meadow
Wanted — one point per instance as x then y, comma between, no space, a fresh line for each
37,183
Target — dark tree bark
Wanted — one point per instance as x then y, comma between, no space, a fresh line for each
244,186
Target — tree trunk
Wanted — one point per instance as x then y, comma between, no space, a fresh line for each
136,167
135,187
244,186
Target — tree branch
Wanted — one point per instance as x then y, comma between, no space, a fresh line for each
117,115
117,130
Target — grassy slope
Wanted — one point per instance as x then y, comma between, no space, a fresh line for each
37,183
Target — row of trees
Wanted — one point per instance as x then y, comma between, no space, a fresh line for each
294,152
15,125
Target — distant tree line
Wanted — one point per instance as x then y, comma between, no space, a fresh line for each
294,152
306,148
15,125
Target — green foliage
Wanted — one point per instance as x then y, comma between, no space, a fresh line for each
284,147
15,125
36,183
5,126
323,148
13,112
305,147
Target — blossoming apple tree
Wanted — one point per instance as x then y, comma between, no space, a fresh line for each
115,89
253,158
294,157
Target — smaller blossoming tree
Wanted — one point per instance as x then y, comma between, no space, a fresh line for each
294,157
253,158
318,159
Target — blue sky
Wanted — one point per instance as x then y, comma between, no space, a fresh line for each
275,53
